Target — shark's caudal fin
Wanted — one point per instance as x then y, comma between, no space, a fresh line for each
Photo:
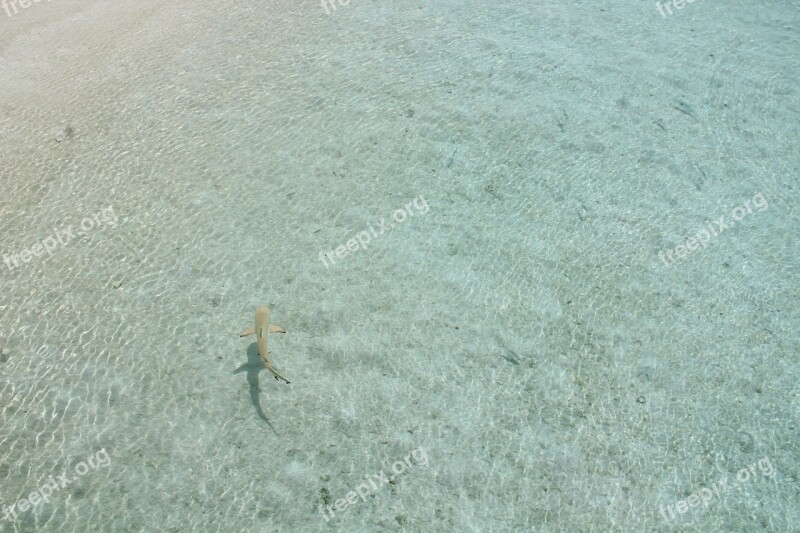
274,373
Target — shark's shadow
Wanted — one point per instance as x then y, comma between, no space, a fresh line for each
253,366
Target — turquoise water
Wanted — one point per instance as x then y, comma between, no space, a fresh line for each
537,266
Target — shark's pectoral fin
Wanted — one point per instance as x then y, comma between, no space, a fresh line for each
248,331
276,329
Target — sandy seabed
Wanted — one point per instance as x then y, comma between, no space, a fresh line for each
537,263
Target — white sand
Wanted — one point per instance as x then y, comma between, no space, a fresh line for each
522,332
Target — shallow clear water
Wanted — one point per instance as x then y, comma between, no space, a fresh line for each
471,218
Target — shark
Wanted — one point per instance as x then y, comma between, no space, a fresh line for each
262,330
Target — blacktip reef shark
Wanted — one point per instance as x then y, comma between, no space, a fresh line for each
262,330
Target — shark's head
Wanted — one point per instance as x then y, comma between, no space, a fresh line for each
262,316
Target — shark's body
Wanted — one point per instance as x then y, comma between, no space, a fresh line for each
262,330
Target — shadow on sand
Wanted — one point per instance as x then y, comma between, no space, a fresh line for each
253,366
